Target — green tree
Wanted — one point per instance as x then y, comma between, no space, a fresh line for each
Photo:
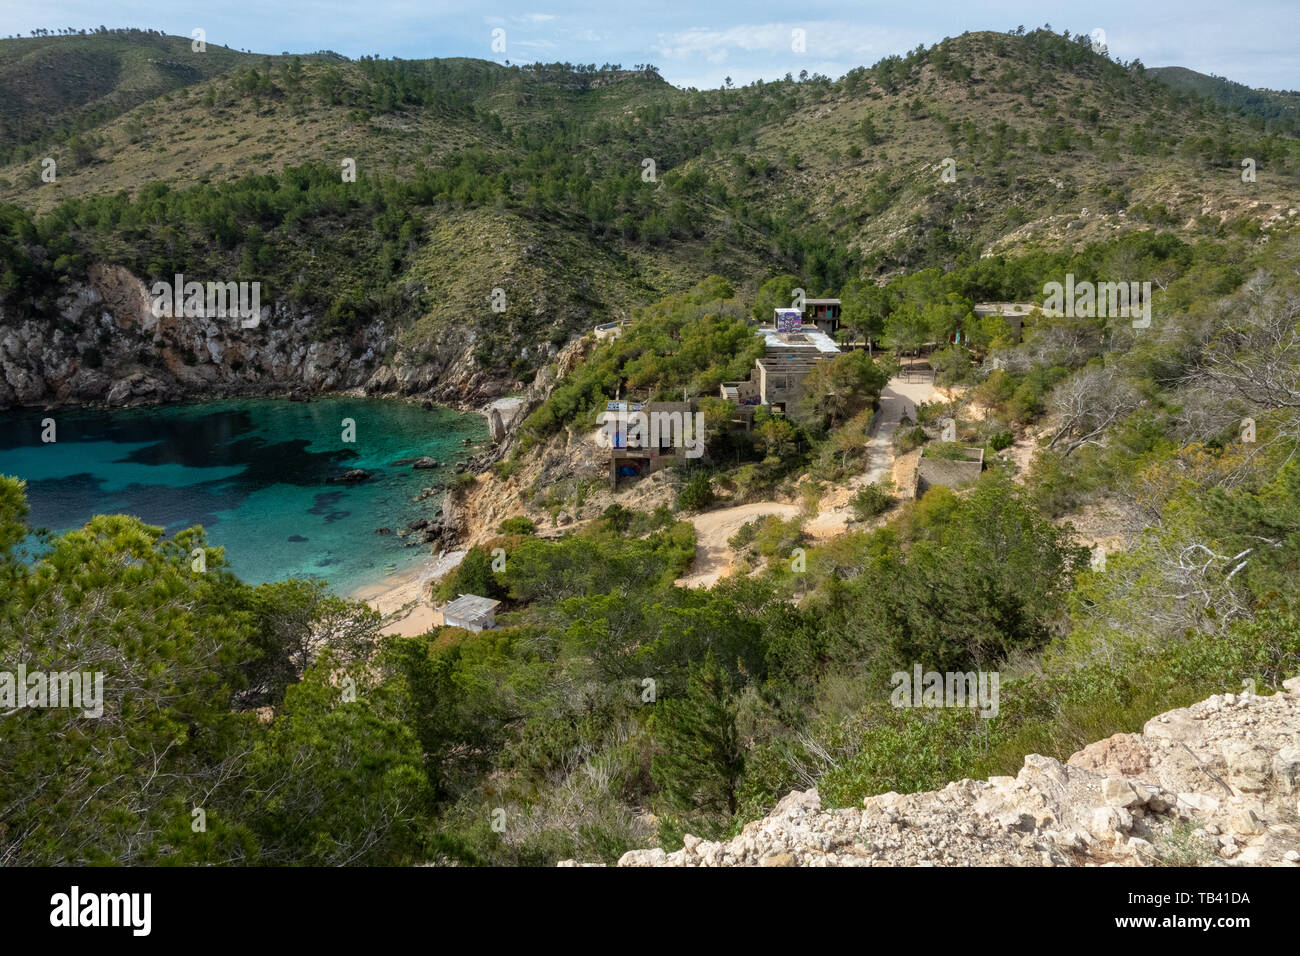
698,761
838,389
775,293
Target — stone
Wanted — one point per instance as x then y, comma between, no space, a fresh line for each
1120,793
1286,769
350,477
1120,755
1245,822
1250,767
779,859
1198,801
1110,822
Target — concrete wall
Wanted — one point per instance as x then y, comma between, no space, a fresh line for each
950,474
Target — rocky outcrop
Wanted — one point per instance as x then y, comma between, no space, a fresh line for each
1216,783
105,345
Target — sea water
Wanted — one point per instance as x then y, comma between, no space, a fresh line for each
253,472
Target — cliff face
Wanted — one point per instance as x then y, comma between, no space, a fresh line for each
106,345
1214,784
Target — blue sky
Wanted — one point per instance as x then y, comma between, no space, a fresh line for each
700,43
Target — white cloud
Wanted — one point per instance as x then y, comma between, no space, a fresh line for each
827,39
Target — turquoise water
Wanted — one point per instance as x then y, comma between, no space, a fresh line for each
253,472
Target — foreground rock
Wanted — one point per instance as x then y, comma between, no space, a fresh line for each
1214,784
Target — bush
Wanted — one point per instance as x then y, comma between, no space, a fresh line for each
1002,440
744,536
948,451
517,525
697,493
872,500
909,439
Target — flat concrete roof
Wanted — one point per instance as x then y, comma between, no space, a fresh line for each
470,607
809,337
1004,308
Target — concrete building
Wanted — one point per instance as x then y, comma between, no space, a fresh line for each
1012,313
471,612
610,330
787,359
746,393
634,460
824,314
948,472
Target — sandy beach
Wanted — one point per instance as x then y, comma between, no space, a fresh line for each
404,599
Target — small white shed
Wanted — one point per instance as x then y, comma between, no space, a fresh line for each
471,612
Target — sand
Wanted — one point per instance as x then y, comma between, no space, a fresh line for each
405,600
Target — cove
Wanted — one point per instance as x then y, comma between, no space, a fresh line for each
255,473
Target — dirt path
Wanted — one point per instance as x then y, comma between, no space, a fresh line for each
713,557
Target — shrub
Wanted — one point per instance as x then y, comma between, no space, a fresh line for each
517,525
872,500
1002,440
697,492
909,439
948,451
744,536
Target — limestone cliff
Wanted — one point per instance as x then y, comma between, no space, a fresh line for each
106,345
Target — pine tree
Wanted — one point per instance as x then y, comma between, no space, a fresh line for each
699,763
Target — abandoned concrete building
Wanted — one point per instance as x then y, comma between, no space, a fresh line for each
778,377
1012,313
824,314
636,460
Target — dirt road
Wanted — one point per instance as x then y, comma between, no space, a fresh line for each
713,557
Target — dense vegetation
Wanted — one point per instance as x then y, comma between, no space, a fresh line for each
608,692
826,179
612,709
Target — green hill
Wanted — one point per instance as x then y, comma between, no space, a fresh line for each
1279,109
585,192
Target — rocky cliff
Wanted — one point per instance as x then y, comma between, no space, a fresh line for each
1214,784
106,345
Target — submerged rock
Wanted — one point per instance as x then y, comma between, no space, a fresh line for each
350,477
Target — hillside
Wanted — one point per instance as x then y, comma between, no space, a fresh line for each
231,167
1277,109
672,658
1213,784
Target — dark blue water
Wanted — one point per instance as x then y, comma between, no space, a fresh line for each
253,472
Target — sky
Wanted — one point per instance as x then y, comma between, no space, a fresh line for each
700,44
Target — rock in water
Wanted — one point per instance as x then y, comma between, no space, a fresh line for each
350,477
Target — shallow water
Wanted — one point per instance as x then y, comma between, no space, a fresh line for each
253,472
